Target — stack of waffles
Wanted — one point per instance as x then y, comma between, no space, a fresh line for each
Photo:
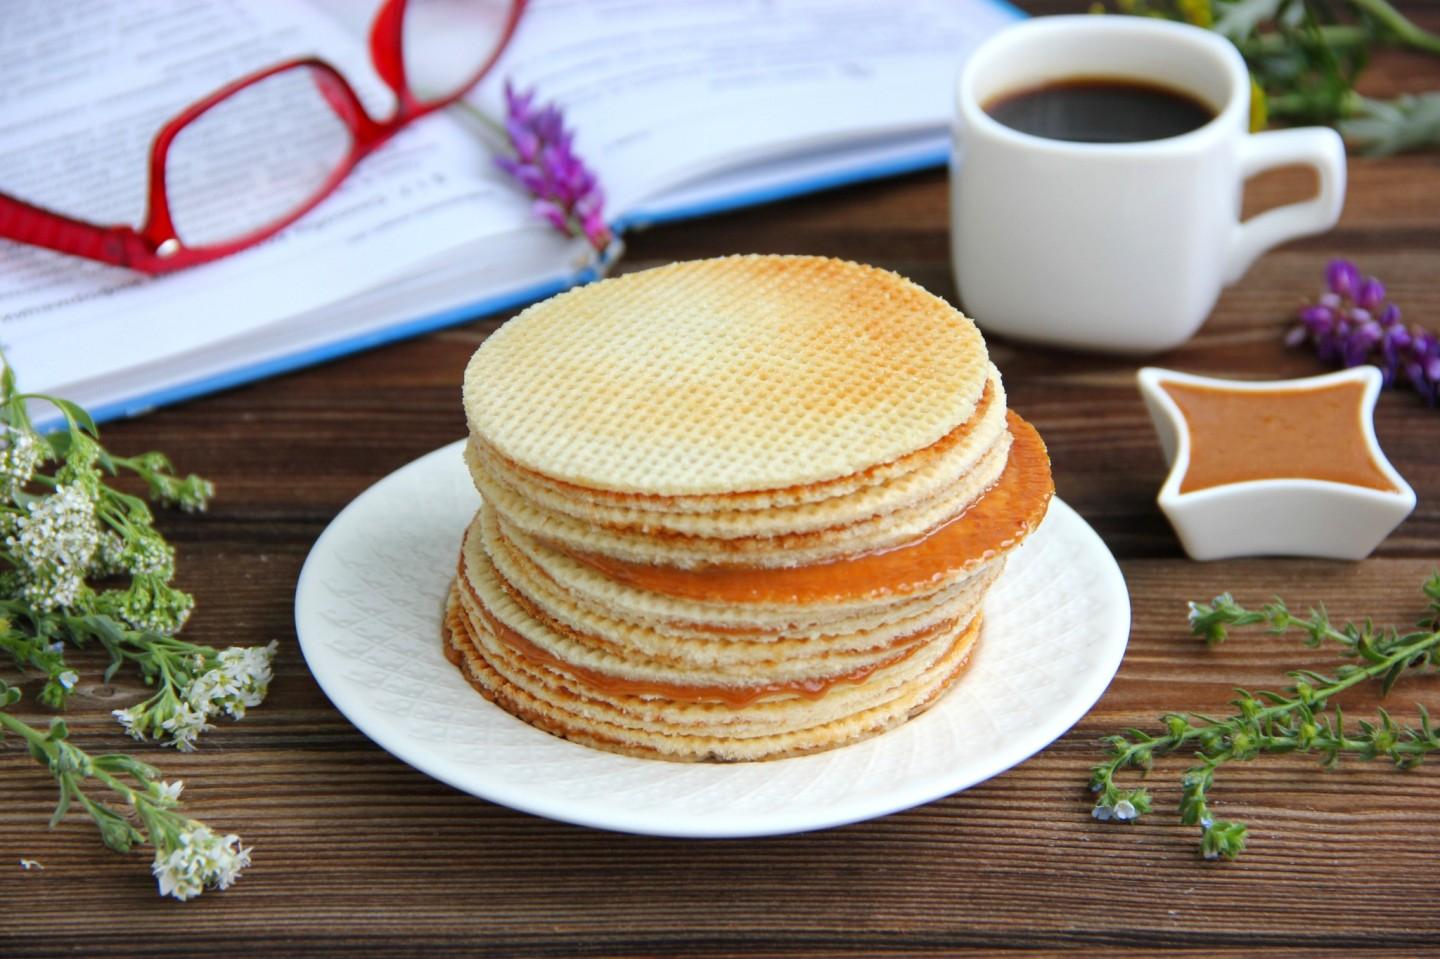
735,509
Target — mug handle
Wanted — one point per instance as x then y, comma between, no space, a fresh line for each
1319,148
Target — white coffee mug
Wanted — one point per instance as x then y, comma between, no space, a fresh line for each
1117,246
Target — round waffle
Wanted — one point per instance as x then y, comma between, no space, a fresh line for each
725,376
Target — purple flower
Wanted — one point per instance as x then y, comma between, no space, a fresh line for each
567,194
1351,323
1370,294
1343,277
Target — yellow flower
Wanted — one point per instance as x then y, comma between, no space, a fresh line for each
1197,12
1259,113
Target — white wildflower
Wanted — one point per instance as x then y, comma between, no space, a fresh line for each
54,542
1194,614
151,604
199,860
211,691
20,453
167,792
130,720
185,726
242,679
109,558
150,554
1125,810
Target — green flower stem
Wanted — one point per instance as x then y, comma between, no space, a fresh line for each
1332,35
1268,722
70,767
1302,107
1137,754
485,119
1403,29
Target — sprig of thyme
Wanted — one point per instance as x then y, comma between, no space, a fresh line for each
1305,57
1295,720
189,857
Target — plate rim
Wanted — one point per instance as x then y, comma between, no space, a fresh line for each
679,824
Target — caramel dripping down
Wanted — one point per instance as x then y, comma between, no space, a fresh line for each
995,523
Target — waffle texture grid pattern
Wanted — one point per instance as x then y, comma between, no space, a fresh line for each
724,376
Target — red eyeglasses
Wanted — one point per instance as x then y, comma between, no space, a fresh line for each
254,156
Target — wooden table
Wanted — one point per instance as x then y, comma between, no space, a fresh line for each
357,852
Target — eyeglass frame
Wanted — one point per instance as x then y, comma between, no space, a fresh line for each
156,246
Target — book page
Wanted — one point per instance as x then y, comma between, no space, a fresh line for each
661,93
83,90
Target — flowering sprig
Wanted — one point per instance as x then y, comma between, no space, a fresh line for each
81,562
65,529
1352,323
189,857
197,684
567,193
1296,720
1306,58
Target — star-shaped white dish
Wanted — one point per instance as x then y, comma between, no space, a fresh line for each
1257,508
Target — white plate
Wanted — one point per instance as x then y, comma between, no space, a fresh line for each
367,610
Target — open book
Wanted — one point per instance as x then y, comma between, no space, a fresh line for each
681,108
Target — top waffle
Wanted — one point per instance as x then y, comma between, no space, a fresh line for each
725,376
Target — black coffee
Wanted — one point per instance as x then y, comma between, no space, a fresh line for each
1100,110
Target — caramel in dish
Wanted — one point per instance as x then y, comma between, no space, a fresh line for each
1241,435
1007,512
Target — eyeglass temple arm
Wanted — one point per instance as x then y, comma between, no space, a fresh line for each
116,245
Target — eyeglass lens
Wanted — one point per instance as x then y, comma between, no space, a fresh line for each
268,149
254,157
446,42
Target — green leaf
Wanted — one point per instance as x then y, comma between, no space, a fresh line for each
1383,127
63,805
1239,19
77,413
109,631
1223,840
122,763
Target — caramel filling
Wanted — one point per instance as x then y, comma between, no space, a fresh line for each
733,696
732,637
456,634
1240,435
995,523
